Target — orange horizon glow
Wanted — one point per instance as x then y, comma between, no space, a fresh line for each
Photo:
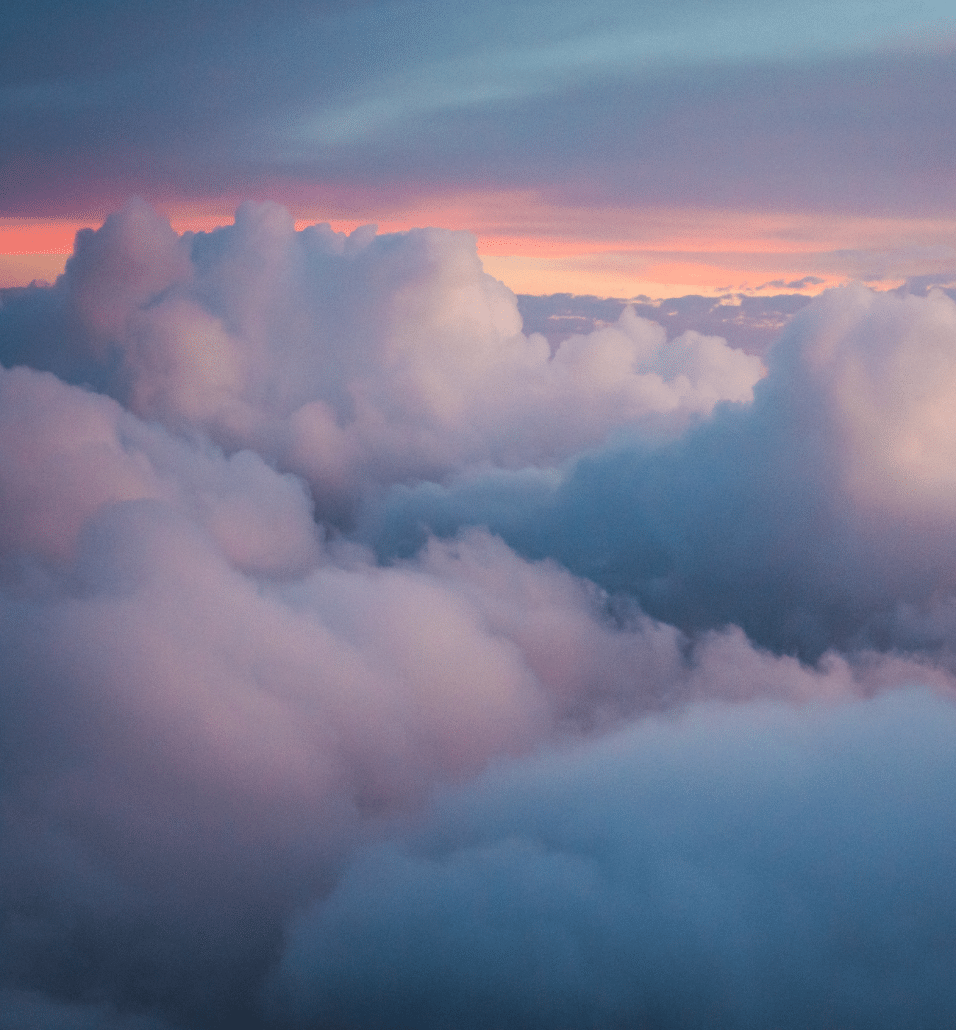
536,247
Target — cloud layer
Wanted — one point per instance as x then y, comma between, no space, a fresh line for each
406,102
819,515
367,661
745,868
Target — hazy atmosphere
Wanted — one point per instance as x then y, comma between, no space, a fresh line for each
477,516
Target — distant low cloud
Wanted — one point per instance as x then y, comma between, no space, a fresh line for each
797,284
747,323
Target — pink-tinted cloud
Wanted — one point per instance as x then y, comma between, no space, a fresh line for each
243,754
364,358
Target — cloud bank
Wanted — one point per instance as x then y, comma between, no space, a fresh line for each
724,869
820,515
368,661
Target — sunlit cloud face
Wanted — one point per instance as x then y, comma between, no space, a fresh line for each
422,374
832,491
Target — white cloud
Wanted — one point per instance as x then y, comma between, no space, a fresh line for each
368,359
806,517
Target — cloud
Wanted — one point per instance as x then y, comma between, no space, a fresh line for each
95,455
806,517
750,324
404,104
237,743
205,705
746,868
353,360
797,284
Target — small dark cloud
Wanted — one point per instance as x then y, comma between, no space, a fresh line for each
796,284
920,285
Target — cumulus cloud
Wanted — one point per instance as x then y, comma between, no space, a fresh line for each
196,733
357,360
206,704
807,517
243,752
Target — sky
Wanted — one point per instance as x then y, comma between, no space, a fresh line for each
620,150
477,505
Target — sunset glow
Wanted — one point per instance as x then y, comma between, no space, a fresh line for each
534,248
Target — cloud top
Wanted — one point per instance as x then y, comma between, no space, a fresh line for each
362,359
808,517
367,661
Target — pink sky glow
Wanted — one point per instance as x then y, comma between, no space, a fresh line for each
538,248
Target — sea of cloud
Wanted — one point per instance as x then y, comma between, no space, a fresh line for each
368,662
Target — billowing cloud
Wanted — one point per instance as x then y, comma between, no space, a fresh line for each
355,360
256,773
808,517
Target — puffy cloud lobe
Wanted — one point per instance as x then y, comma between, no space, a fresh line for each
363,359
764,866
66,454
807,517
191,568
